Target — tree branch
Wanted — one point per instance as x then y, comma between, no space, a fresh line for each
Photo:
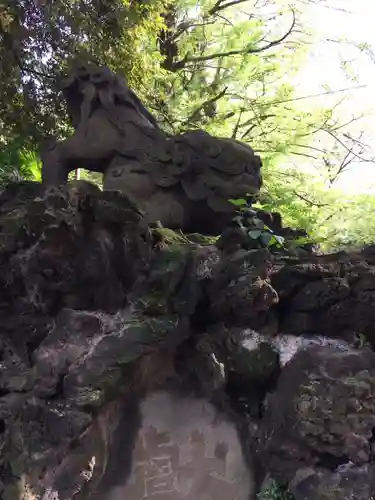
8,42
219,6
305,155
328,92
191,59
309,202
259,120
205,103
350,150
237,125
183,27
345,163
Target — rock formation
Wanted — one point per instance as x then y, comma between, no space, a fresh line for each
131,368
183,181
93,320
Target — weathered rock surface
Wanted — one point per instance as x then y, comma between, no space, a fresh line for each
330,295
349,482
110,340
93,318
322,412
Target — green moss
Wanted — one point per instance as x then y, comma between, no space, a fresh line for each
171,237
274,492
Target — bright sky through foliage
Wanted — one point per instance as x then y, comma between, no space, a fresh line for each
335,21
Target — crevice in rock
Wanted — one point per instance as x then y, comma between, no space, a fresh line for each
372,446
59,389
4,392
31,345
372,438
200,320
331,462
282,308
120,455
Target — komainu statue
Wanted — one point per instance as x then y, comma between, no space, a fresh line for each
183,181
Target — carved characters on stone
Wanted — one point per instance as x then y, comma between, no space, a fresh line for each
185,451
183,181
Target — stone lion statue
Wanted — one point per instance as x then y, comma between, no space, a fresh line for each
182,181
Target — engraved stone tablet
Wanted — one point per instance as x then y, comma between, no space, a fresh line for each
185,450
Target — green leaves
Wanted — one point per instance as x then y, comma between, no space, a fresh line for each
256,232
17,163
238,203
276,240
266,238
273,491
41,42
208,56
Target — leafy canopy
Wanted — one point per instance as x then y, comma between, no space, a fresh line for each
226,66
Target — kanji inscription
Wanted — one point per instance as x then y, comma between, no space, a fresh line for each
185,451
